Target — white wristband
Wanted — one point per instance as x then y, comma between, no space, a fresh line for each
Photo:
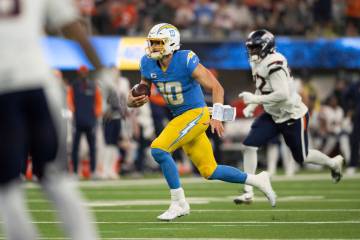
217,111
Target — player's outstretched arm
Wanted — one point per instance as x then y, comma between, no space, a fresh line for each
76,32
280,91
134,102
209,82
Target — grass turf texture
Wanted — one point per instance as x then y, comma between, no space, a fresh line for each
310,208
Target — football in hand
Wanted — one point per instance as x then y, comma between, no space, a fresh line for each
140,89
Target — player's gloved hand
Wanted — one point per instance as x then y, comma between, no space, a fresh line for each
217,126
249,97
248,111
136,101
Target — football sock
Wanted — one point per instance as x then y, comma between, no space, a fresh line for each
272,153
168,167
16,220
250,163
228,174
319,158
177,195
253,180
288,161
75,218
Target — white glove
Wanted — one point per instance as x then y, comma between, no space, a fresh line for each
249,97
249,110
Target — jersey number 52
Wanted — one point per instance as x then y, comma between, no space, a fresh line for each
171,91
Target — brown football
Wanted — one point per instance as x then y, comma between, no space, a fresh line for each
140,89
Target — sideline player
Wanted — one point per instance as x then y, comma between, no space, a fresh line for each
285,112
31,121
178,75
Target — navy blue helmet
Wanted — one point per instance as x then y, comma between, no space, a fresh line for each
259,44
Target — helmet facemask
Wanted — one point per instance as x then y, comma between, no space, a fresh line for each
254,51
156,48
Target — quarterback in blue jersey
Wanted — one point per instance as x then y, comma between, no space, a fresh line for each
178,75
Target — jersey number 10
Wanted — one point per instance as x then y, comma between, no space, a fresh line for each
171,91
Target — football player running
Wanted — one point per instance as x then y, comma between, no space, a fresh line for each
178,75
285,113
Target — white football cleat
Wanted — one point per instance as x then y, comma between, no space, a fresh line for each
245,198
266,188
176,209
336,171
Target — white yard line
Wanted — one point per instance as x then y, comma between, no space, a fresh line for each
210,210
206,200
200,200
157,181
205,223
167,238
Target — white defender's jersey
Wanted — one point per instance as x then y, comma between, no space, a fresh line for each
263,75
22,60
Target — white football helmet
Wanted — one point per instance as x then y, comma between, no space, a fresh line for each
163,39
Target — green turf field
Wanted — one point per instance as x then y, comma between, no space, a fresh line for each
311,207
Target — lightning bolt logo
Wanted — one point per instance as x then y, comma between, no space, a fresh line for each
166,26
187,128
189,56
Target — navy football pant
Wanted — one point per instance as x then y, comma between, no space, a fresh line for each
294,132
26,126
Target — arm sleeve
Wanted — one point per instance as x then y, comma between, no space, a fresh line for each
61,12
278,81
192,60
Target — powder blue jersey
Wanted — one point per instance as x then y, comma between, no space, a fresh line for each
180,91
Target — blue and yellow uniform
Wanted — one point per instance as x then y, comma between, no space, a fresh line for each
185,99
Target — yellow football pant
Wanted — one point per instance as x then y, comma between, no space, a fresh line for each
188,131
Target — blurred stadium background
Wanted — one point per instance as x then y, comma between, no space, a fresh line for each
321,40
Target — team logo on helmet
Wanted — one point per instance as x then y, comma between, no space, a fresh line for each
163,39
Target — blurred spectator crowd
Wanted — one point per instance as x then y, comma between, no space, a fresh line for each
223,19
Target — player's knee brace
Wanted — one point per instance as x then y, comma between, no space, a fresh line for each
159,155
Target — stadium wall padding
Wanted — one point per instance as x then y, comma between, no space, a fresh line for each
125,53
